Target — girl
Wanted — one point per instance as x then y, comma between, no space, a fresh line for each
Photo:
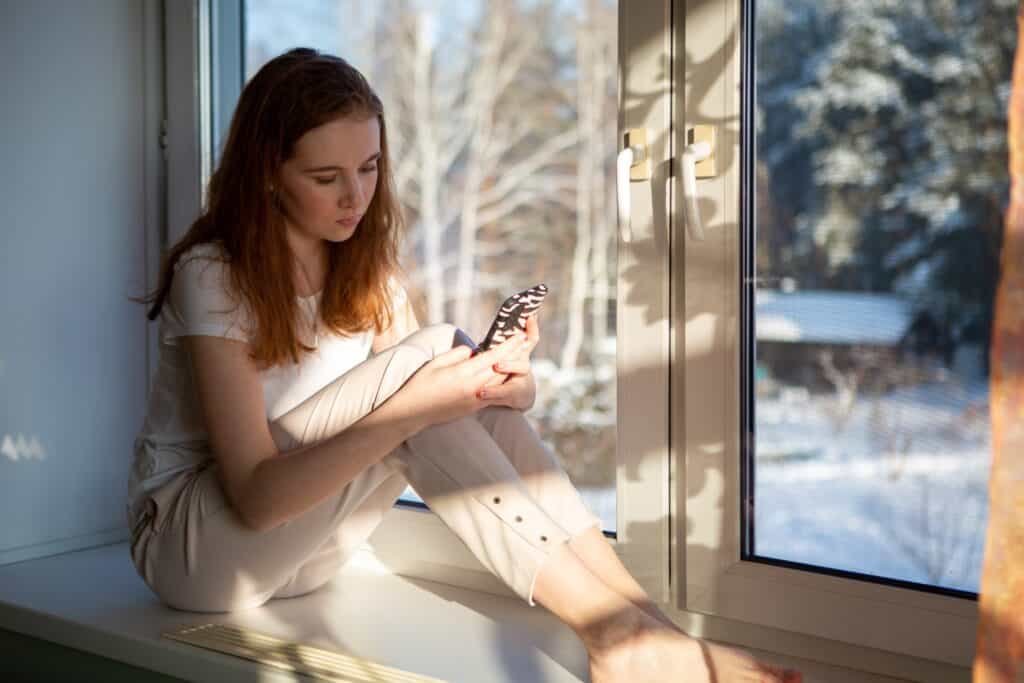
296,396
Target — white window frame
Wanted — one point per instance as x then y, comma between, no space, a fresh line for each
706,432
678,475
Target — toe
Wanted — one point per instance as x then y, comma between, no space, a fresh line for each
774,674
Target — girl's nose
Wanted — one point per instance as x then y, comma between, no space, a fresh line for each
351,191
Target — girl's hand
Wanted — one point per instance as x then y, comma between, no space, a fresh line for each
446,387
519,389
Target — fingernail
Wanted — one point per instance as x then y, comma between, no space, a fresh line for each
482,393
499,366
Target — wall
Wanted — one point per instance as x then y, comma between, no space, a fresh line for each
73,211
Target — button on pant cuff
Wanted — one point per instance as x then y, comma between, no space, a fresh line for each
543,563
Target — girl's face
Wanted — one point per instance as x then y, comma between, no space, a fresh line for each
327,184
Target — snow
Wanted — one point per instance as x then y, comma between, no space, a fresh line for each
900,492
844,166
857,88
830,317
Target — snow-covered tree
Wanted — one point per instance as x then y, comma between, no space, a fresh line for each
882,135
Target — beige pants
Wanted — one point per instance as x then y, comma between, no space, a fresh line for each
487,476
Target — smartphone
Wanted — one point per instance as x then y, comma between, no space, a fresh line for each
511,316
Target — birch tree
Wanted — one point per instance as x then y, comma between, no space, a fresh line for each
474,148
595,110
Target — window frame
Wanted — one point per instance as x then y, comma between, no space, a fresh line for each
706,433
182,121
677,462
204,79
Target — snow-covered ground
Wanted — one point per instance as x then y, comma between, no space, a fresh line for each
901,490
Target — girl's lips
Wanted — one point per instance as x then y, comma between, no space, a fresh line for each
348,221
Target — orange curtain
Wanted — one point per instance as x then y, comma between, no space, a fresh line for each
1000,646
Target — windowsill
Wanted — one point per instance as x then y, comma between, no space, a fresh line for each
93,600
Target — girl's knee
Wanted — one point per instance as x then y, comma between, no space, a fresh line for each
412,353
433,339
406,358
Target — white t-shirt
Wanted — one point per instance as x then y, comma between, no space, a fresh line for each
173,437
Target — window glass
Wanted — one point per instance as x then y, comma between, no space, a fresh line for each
879,188
502,127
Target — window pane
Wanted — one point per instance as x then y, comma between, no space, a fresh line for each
880,185
502,127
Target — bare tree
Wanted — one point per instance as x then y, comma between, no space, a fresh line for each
596,119
846,385
939,534
473,152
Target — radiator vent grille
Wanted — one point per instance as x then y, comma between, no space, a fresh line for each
311,661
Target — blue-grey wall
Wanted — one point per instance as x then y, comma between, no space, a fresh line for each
73,364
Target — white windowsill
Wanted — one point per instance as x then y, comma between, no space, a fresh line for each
93,600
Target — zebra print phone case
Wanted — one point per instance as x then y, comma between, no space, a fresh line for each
511,316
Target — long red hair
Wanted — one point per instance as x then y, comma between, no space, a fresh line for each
290,95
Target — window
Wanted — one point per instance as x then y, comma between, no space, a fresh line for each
504,122
834,420
700,409
879,185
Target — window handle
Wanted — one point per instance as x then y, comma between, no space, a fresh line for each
631,164
698,161
694,153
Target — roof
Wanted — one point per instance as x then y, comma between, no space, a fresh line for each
831,317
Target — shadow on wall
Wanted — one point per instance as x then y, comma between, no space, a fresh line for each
19,447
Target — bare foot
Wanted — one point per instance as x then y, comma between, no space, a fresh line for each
644,649
729,664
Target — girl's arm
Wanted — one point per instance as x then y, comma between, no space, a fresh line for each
264,490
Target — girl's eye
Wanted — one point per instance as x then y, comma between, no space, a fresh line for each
325,181
369,169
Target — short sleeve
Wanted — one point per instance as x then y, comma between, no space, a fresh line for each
198,302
